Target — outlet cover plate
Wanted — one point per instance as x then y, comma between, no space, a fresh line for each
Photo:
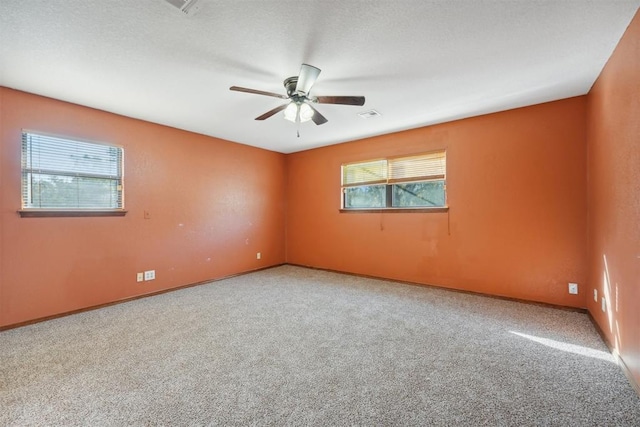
139,277
573,288
149,275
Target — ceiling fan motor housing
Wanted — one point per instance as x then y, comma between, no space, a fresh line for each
290,85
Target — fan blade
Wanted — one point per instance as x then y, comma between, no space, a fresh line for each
307,77
318,118
272,112
345,100
257,92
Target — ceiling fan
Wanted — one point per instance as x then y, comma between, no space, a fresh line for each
299,108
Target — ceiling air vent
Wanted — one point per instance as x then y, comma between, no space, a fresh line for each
369,114
188,7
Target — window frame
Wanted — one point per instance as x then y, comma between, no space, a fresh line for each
31,212
389,183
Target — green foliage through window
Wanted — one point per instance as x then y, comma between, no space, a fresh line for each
418,194
366,196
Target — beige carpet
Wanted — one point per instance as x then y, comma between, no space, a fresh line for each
293,346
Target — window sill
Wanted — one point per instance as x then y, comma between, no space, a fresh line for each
39,213
442,209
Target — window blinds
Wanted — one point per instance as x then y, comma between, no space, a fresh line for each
425,167
59,173
372,172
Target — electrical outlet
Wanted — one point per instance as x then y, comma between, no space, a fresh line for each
139,277
595,295
149,275
604,304
573,288
258,255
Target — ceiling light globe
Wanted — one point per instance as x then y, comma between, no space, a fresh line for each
306,112
291,112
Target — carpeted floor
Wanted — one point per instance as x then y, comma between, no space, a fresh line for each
293,346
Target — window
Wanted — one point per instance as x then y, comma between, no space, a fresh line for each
415,182
66,175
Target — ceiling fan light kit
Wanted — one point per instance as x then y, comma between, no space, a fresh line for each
298,112
299,108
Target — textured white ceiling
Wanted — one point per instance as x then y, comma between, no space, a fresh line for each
416,62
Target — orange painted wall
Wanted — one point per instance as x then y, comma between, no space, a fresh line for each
517,222
213,205
614,198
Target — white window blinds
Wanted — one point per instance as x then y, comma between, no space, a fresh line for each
60,173
424,167
418,168
371,172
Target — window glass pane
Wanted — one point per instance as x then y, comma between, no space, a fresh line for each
52,191
366,196
414,194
